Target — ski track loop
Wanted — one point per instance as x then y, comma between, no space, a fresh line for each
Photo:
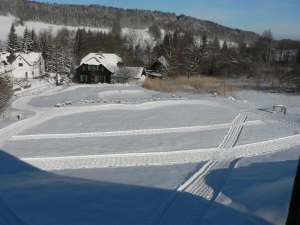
133,132
162,158
190,202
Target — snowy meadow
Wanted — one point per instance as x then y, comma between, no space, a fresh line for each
121,154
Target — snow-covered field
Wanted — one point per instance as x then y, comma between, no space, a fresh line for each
144,157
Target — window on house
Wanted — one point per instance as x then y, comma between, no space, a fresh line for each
92,68
102,79
83,78
20,64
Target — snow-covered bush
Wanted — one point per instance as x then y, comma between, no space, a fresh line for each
6,91
23,83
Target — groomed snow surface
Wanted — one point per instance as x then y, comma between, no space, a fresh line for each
144,157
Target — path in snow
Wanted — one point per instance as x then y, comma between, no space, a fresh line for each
190,203
162,158
197,185
234,132
139,132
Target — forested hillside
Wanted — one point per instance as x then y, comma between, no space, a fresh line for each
190,46
101,16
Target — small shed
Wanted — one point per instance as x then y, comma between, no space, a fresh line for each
160,65
129,75
159,68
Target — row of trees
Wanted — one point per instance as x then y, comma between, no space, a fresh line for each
28,43
187,53
55,48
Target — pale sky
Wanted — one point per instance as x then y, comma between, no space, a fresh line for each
282,17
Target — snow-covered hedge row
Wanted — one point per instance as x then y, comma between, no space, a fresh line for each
93,101
34,91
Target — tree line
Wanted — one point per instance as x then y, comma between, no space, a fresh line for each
101,16
187,53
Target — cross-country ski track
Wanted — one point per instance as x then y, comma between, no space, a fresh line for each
221,159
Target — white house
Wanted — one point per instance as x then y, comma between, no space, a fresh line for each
27,66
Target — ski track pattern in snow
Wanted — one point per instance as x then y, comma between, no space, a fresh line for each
162,158
189,204
135,132
234,132
8,216
197,185
186,208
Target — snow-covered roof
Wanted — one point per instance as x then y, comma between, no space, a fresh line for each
6,68
109,61
163,61
154,74
129,72
31,58
3,56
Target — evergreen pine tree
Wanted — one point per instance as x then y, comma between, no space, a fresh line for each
48,56
12,42
67,64
204,44
35,44
216,44
224,47
79,41
25,41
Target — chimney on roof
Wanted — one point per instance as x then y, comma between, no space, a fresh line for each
100,53
120,64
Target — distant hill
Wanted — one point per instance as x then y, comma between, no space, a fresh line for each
102,16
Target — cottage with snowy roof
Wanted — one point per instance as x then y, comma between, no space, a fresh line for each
159,68
98,68
28,66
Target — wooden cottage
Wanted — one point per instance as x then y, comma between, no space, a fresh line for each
97,68
159,68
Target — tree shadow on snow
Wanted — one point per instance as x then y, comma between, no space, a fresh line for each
264,187
40,197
